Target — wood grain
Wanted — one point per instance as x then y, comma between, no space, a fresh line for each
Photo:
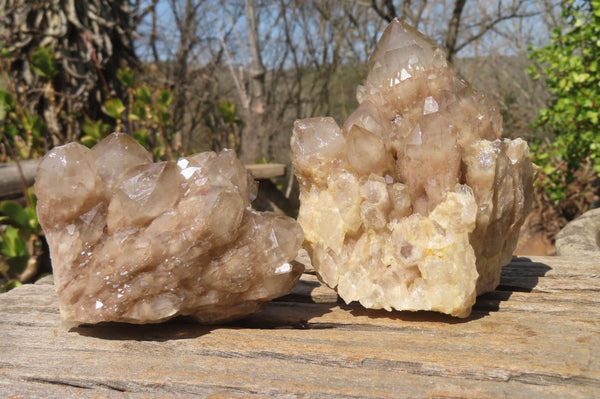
267,170
10,178
537,335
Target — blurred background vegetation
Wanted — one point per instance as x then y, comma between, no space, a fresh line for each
193,75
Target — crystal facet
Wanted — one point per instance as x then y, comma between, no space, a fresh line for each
141,242
416,202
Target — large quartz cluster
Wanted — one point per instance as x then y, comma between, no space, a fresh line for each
416,202
142,242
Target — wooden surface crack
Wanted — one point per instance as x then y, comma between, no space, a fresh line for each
538,335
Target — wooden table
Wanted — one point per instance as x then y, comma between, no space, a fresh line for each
537,335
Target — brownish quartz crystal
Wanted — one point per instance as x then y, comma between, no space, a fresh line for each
141,242
416,202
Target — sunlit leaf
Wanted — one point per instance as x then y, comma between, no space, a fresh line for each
127,77
43,62
15,212
114,108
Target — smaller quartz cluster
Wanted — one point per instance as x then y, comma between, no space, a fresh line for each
142,242
415,203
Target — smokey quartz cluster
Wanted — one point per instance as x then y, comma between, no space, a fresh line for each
415,203
141,242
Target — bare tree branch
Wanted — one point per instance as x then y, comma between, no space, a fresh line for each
257,68
389,13
453,27
486,26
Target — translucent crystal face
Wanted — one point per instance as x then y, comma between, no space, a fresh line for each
70,172
401,51
142,242
416,202
116,154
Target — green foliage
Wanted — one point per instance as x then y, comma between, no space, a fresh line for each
94,131
60,61
127,77
43,62
19,241
7,103
224,124
21,131
14,248
570,66
114,108
228,112
146,115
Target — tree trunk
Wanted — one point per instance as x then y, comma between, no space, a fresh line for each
453,27
254,135
389,13
187,35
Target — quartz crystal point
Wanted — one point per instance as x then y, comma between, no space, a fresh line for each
141,242
415,203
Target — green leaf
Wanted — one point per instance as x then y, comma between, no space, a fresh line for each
34,223
33,124
164,97
16,213
114,108
228,111
12,246
88,141
141,136
12,284
127,77
139,110
144,95
531,70
4,52
94,132
7,100
562,83
90,129
12,130
44,63
580,77
164,115
548,169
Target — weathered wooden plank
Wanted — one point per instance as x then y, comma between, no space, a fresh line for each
10,178
267,170
528,342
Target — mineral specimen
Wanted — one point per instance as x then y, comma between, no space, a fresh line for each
416,202
141,242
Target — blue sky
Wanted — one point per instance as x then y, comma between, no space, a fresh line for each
227,21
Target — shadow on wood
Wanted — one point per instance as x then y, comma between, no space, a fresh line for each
522,275
540,337
407,316
175,329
